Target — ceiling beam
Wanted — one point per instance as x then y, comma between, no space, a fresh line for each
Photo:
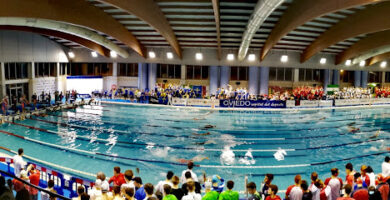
81,41
149,12
378,58
370,20
300,12
74,12
217,17
371,42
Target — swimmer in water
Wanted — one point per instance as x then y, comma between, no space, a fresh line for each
353,129
205,142
378,132
322,118
199,118
208,126
197,158
201,134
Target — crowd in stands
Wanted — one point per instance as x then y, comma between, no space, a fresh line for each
298,93
357,185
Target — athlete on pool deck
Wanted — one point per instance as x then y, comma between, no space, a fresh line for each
335,183
294,192
349,178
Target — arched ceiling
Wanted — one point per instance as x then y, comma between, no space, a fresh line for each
305,26
51,33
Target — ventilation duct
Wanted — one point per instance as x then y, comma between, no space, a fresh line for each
263,9
65,28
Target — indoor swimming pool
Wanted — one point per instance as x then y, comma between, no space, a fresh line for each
232,144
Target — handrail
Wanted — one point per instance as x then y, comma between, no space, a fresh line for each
34,186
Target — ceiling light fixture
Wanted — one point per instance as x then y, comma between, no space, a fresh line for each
94,54
284,58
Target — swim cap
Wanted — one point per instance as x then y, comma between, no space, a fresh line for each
215,179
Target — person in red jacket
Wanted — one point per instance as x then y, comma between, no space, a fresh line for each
294,192
272,191
34,179
350,172
383,187
118,178
360,193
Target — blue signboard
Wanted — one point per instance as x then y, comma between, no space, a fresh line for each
252,103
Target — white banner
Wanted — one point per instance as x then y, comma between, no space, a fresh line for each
290,103
194,102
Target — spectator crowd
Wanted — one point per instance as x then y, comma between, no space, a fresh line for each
357,185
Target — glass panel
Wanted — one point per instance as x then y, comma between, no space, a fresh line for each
288,74
12,69
233,73
280,74
177,71
164,71
205,72
190,72
243,73
197,72
122,69
309,75
171,71
272,74
6,70
301,74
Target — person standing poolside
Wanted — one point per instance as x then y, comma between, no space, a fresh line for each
140,193
192,195
229,194
335,183
176,190
118,178
347,193
294,192
360,193
19,163
167,181
167,193
349,174
251,188
190,166
272,191
265,185
386,169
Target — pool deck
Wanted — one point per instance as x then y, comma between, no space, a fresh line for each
250,109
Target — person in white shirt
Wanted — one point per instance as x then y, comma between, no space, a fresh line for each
129,175
191,192
96,192
386,167
160,185
190,166
50,188
335,183
19,163
371,175
102,177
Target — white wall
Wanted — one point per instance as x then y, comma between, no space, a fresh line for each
124,81
17,46
45,84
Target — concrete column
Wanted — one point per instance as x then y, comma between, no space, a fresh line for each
142,76
31,76
183,74
214,78
364,79
336,77
225,76
383,78
2,74
253,83
264,77
152,75
357,78
296,75
115,69
326,78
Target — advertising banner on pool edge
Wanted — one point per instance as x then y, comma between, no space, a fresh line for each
252,104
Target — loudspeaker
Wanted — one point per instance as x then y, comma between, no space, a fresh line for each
238,83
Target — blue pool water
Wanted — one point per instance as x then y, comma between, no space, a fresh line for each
154,139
